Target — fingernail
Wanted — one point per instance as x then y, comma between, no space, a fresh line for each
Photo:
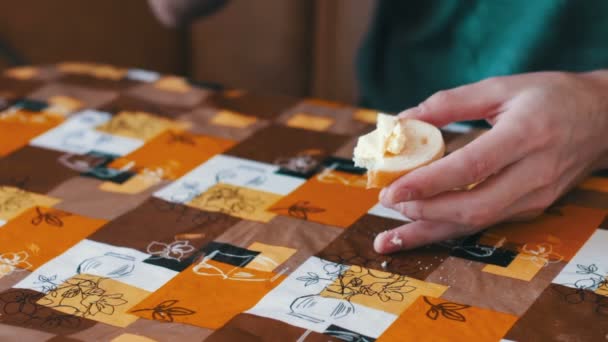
399,207
404,195
378,243
388,242
382,194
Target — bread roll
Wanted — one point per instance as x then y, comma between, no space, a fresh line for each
396,147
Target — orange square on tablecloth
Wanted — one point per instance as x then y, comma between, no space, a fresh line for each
433,319
564,230
332,197
16,131
134,185
208,294
175,153
232,119
595,184
45,233
173,84
366,115
21,73
310,121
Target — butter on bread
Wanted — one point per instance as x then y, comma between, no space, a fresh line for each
396,147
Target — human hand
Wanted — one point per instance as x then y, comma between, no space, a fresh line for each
174,13
548,132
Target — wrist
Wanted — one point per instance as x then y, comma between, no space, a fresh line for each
599,81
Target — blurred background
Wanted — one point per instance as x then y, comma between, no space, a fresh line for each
295,47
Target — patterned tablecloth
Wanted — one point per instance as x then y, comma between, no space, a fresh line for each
136,207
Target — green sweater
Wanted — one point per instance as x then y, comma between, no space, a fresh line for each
415,48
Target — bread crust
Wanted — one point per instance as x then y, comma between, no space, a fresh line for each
380,179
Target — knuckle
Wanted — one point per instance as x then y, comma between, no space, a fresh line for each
439,99
540,133
545,176
478,217
540,204
479,168
493,83
548,197
413,210
543,200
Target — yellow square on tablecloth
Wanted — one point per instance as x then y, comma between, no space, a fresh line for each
270,257
520,268
384,291
237,201
96,298
139,125
14,201
233,119
309,121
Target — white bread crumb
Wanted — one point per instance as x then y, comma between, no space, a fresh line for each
396,240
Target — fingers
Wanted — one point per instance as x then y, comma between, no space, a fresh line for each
475,101
486,203
486,155
417,234
174,13
535,203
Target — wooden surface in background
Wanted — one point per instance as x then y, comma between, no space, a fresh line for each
297,47
109,31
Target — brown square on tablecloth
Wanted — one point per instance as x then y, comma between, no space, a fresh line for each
585,198
98,83
19,88
246,327
275,143
202,122
34,169
455,140
9,280
347,149
307,238
133,104
7,98
184,99
12,333
562,313
355,247
83,196
147,328
468,283
90,98
262,105
339,116
157,224
19,307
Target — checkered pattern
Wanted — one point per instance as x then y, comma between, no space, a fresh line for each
136,206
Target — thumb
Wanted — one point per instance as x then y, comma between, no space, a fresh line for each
481,100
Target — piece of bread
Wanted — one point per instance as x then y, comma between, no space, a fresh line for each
396,147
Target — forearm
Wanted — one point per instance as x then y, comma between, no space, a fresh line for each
173,13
